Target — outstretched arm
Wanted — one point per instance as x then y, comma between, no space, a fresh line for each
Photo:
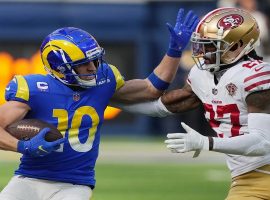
175,101
138,90
256,143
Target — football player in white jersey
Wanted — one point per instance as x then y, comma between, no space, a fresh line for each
232,82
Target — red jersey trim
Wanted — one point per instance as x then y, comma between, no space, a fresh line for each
248,88
256,75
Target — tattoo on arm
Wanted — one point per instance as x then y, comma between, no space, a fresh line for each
259,102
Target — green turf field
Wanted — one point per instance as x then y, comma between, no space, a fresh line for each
152,181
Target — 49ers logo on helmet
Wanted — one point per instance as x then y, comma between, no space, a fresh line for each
230,21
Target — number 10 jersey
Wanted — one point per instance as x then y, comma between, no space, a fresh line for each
78,114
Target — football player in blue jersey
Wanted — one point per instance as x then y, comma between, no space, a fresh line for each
73,97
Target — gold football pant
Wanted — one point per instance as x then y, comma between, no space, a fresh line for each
253,185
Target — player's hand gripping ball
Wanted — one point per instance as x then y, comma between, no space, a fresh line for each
27,128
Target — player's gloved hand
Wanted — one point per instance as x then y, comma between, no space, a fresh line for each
180,34
38,146
185,142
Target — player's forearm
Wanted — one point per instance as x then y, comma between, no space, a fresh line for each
247,145
7,142
257,143
167,68
151,108
180,100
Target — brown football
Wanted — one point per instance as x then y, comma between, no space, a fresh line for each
28,128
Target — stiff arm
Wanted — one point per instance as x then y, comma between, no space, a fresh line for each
174,101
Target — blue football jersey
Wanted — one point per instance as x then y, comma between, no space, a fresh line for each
77,114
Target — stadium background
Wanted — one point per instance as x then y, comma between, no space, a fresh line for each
134,163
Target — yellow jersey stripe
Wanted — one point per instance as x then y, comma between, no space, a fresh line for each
23,89
118,77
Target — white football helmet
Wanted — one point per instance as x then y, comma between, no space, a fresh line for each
230,33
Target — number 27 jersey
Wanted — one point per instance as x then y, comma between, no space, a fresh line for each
225,106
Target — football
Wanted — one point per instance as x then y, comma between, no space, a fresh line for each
27,128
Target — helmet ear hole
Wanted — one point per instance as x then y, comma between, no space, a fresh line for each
234,47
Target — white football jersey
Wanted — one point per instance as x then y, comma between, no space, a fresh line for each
225,105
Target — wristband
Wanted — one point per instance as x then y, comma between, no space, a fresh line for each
211,143
174,53
21,147
157,82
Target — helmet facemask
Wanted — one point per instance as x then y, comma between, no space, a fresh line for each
204,50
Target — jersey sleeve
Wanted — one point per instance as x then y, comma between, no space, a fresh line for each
17,90
257,79
119,79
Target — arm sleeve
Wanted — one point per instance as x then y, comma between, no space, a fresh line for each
151,108
256,143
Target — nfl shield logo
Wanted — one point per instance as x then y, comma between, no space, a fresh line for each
214,91
231,89
76,96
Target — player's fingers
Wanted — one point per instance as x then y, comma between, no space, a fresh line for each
183,150
179,18
170,28
188,17
43,132
175,135
175,141
174,150
192,21
175,146
56,147
195,24
196,153
186,127
58,142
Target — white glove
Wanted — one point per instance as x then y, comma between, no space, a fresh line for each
185,142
